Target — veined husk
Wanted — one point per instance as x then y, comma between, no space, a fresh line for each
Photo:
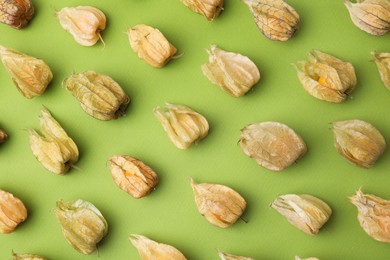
309,258
358,141
16,256
276,19
326,77
30,75
371,16
83,225
234,73
219,204
16,13
12,212
208,8
132,175
273,145
84,23
183,125
305,212
55,150
99,95
373,215
382,61
226,256
151,45
152,250
3,136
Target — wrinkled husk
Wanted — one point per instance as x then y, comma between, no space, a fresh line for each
3,136
276,19
55,150
151,45
208,8
30,75
219,204
183,125
226,256
382,61
12,212
84,23
358,141
273,145
26,257
83,225
16,13
305,212
152,250
132,175
326,77
373,215
99,95
234,73
371,16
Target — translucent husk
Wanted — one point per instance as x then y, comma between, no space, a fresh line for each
55,150
99,95
84,23
151,45
132,175
12,212
152,250
208,8
358,141
183,125
382,61
30,75
16,13
371,16
276,19
16,256
373,215
226,256
305,212
273,145
83,225
219,204
234,73
326,77
309,258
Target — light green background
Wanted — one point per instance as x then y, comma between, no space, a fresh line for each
169,214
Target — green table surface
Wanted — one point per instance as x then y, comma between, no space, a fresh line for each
169,214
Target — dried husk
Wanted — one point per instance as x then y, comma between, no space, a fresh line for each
358,141
234,73
99,95
84,23
305,212
30,75
16,13
55,150
16,256
152,250
326,77
83,225
226,256
309,258
373,215
208,8
371,16
151,45
219,204
276,19
183,125
3,136
132,175
382,61
273,145
12,212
